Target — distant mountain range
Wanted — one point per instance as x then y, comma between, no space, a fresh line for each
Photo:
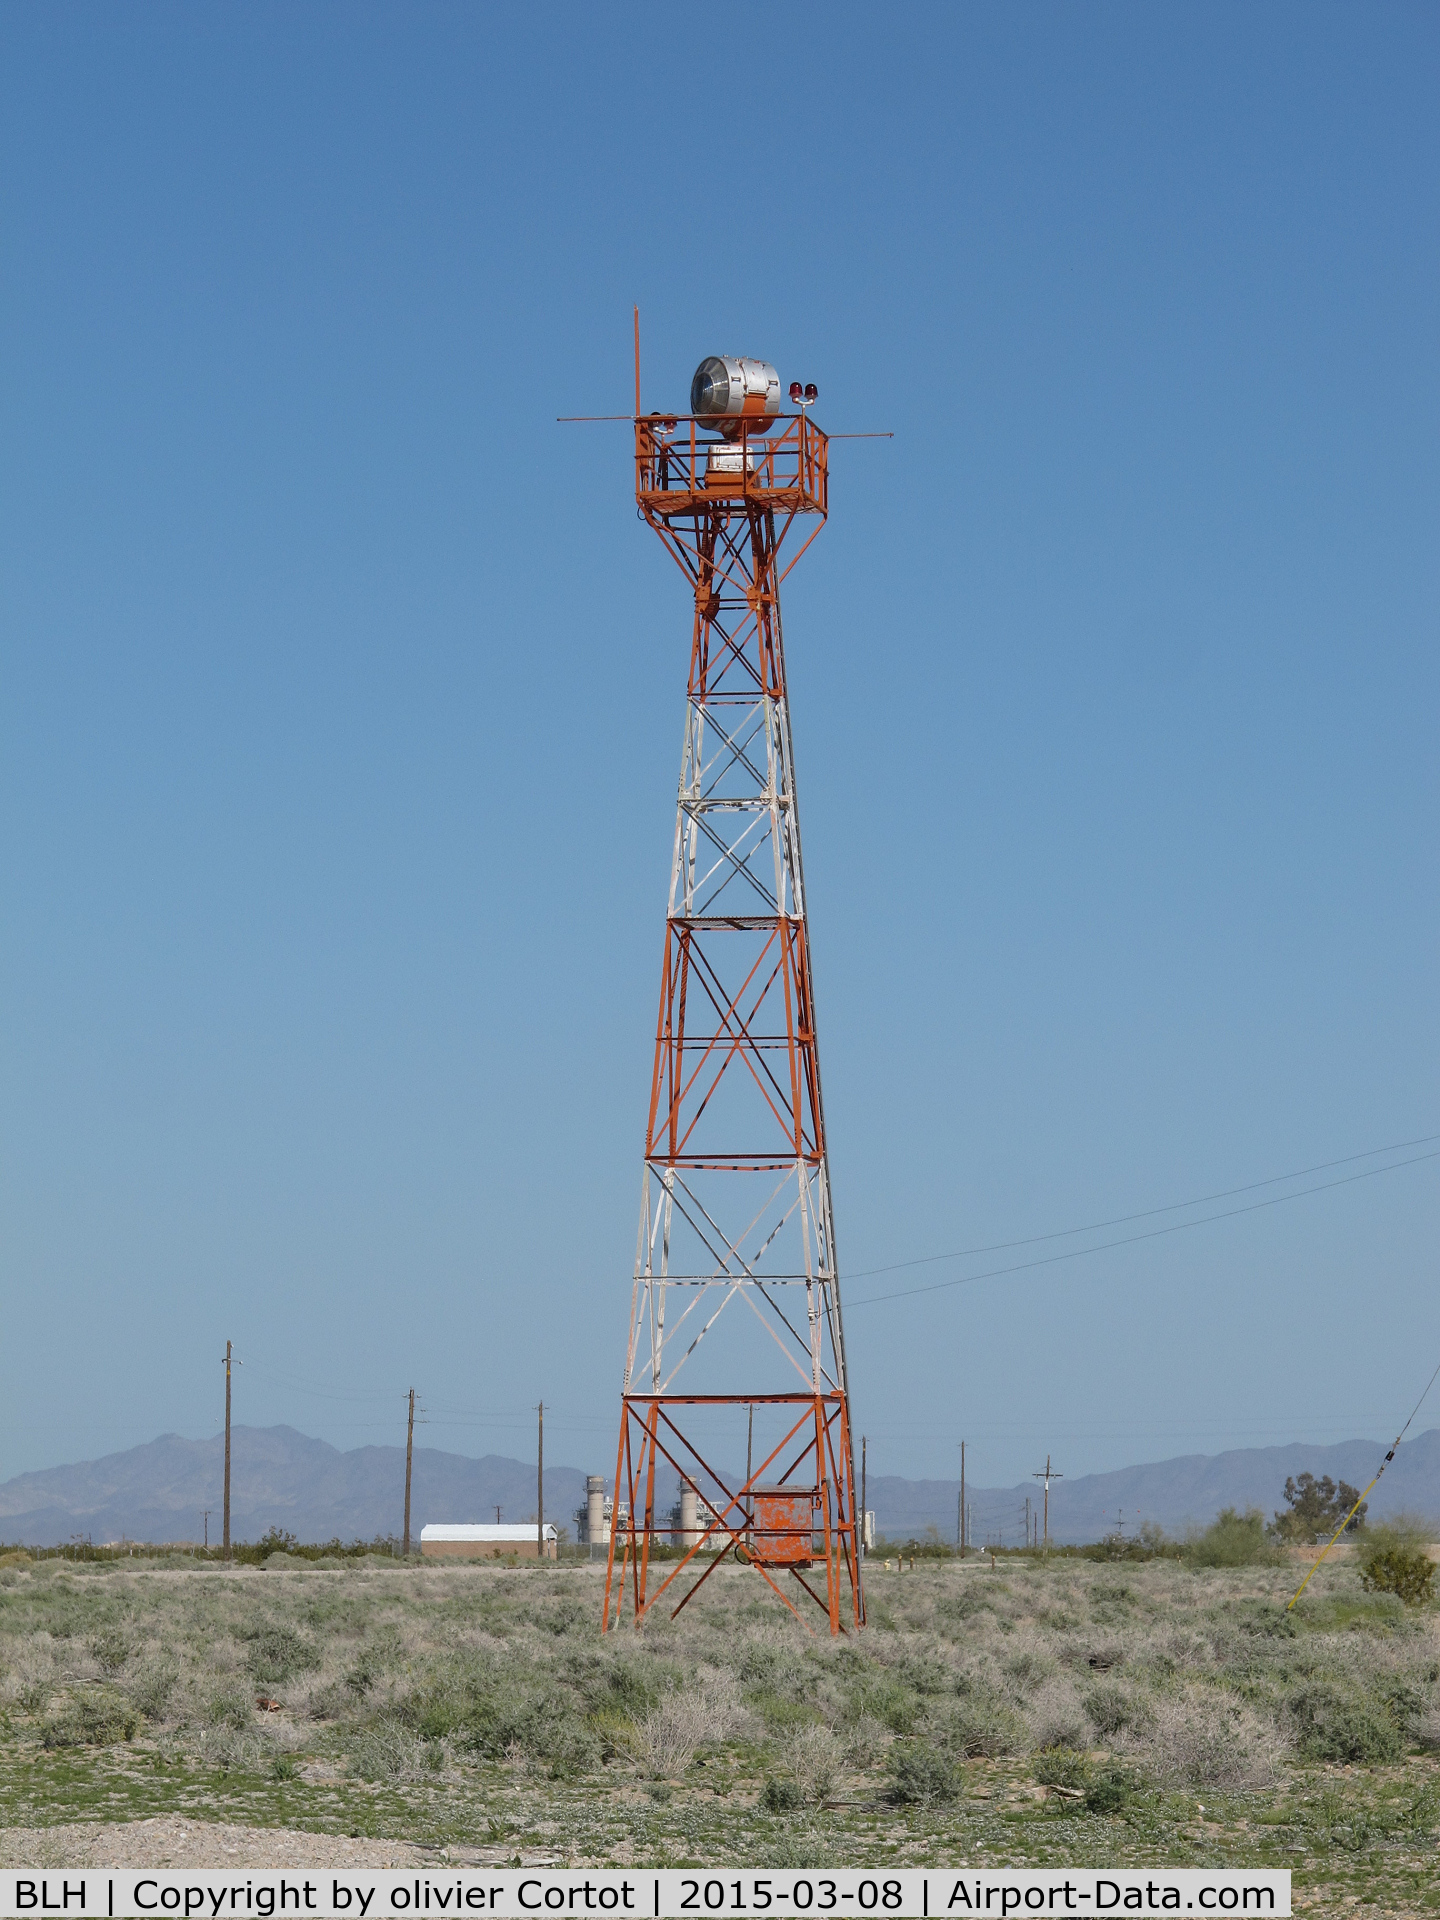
1174,1494
278,1478
281,1478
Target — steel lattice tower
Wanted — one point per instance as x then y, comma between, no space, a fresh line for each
735,1326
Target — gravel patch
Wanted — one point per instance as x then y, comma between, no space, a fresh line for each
175,1841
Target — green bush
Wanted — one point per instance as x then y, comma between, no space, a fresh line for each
1394,1561
879,1696
792,1849
364,1671
34,1691
111,1648
486,1709
778,1670
1028,1668
1109,1707
570,1750
923,1671
922,1776
1267,1620
622,1687
617,1733
1149,1544
983,1728
1061,1767
1333,1723
1110,1791
387,1750
151,1688
781,1796
277,1652
1403,1701
1234,1539
95,1719
780,1716
958,1609
230,1709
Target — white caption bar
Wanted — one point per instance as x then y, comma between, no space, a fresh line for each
270,1894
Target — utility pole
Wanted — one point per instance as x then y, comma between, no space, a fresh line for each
497,1516
207,1529
1027,1520
964,1509
1047,1476
409,1458
229,1350
864,1505
540,1492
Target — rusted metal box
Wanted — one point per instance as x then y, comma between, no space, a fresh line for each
784,1526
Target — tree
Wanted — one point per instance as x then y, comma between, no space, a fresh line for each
1315,1509
1233,1540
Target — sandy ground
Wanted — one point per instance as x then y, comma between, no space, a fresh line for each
175,1841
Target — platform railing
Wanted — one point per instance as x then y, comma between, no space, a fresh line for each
684,465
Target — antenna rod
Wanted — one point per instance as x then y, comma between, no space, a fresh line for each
637,363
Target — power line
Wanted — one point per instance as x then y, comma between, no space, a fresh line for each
444,1414
1126,1240
1174,1206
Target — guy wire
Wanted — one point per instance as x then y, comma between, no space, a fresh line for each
1356,1508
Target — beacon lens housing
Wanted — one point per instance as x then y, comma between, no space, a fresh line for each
728,390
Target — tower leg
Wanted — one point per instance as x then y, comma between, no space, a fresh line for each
832,1570
643,1560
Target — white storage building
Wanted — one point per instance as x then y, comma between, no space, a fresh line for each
487,1542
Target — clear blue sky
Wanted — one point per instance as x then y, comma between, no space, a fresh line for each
342,694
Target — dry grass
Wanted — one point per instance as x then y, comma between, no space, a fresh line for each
495,1689
1200,1739
984,1662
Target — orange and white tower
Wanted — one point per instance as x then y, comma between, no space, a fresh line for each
736,1345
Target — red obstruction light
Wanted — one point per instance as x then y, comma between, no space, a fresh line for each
812,394
796,391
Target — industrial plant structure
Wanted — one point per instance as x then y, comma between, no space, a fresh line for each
735,1346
